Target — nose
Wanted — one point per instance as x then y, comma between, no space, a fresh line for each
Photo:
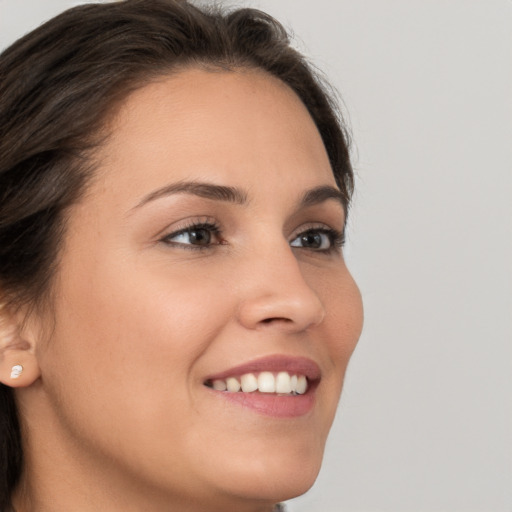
277,294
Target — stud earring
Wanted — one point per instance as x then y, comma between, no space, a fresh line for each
16,371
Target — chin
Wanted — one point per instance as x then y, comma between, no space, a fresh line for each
274,476
281,485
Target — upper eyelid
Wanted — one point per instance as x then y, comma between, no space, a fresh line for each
311,226
186,224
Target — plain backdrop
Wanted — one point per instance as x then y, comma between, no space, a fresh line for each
425,422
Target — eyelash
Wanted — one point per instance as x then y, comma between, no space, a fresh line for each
211,227
336,238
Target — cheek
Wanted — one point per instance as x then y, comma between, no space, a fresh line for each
346,319
119,370
343,321
343,324
135,335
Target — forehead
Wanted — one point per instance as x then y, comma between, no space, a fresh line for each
218,125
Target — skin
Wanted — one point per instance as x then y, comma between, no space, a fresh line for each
114,405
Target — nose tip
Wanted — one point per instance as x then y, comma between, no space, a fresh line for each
285,301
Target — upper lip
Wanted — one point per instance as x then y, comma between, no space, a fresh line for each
274,363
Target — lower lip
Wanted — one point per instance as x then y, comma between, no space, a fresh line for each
270,404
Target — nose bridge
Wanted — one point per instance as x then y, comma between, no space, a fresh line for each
277,291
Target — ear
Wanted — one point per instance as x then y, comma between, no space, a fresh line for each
18,362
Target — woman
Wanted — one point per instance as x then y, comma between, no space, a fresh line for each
176,314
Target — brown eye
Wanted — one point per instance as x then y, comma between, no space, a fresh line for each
199,236
202,235
312,240
321,240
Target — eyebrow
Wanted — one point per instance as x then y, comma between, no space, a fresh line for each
321,194
235,195
206,190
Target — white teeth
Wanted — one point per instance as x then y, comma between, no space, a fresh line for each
302,385
266,383
249,383
232,384
293,383
219,385
281,383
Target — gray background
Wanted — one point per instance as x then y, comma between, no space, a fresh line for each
425,422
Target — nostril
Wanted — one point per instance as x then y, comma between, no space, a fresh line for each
276,319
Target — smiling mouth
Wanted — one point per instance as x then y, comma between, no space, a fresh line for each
277,383
277,386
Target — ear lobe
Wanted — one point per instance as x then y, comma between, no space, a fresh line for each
22,373
18,363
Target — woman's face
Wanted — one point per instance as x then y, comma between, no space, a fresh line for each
206,249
